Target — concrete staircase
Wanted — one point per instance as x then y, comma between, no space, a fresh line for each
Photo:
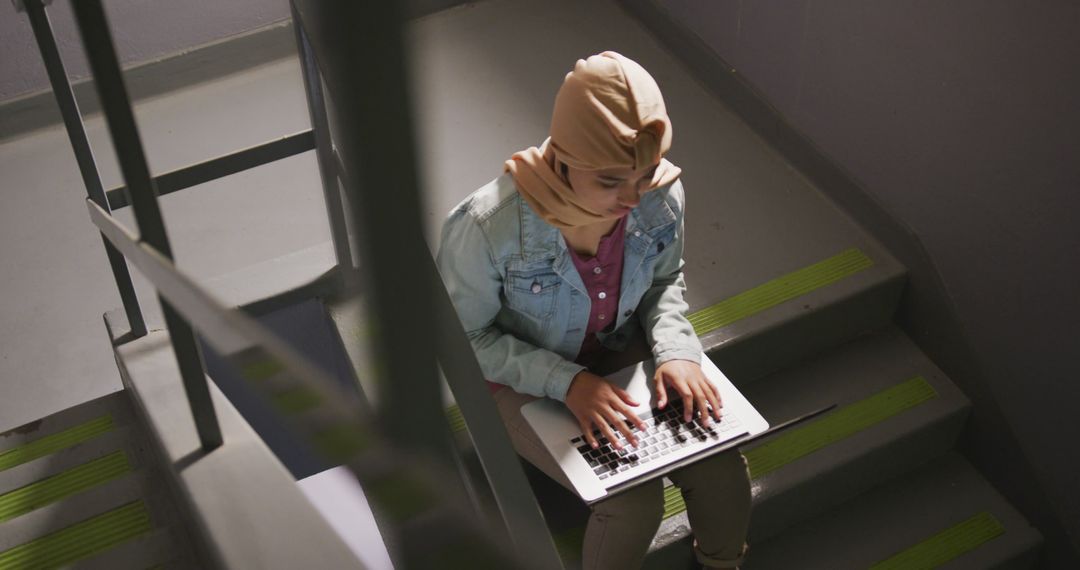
791,298
79,489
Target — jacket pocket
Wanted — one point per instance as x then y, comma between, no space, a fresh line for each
532,294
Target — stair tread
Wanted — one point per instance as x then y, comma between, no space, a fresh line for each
783,293
73,509
64,429
900,515
121,438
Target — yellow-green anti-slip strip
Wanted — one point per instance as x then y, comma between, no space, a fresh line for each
838,425
779,290
52,489
831,428
945,545
55,442
457,421
673,501
80,540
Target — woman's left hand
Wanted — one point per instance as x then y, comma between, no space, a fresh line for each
687,380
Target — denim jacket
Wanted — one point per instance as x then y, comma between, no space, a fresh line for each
523,304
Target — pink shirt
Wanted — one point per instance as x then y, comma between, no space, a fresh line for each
602,276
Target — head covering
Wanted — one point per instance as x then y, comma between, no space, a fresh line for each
608,114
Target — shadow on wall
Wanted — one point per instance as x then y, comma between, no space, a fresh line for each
958,122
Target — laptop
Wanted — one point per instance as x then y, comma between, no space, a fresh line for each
668,443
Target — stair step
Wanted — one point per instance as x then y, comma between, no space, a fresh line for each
82,539
64,429
77,486
116,439
116,404
943,515
55,516
58,487
779,290
799,312
896,410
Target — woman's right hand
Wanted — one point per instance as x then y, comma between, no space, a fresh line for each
596,402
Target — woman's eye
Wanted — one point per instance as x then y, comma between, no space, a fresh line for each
609,184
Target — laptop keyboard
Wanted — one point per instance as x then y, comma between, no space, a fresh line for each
666,433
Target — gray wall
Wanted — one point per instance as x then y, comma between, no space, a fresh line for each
961,119
142,30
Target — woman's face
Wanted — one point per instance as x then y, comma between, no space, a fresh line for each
611,192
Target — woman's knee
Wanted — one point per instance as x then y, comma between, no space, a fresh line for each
725,470
644,503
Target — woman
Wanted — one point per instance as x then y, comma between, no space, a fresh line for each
572,253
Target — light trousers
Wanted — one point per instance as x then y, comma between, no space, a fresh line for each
716,492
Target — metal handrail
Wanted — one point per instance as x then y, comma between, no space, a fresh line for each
97,41
84,155
324,147
381,179
323,413
327,419
222,166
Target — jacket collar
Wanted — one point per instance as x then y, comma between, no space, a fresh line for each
541,240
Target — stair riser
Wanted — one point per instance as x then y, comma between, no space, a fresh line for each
748,356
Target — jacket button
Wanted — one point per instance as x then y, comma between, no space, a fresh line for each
536,287
637,233
627,313
659,247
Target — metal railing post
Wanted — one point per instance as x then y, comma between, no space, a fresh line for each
143,197
324,152
359,51
424,520
416,321
513,495
84,155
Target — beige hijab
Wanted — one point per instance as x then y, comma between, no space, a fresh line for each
608,114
